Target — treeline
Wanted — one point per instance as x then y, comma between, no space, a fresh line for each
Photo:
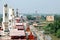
30,17
54,28
1,20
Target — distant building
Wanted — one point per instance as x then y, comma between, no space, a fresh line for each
38,18
50,18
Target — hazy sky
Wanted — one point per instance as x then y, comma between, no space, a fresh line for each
29,6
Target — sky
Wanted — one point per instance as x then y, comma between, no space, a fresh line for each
30,6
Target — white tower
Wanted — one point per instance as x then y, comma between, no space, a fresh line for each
11,18
11,13
5,18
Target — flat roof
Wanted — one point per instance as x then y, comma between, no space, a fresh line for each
15,32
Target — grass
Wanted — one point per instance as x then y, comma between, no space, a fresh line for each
54,37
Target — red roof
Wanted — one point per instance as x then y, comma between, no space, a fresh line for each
31,36
28,29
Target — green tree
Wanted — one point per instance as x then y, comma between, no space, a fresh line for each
58,33
29,17
55,26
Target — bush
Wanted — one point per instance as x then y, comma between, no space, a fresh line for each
58,33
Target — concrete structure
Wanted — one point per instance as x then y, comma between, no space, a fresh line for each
50,18
11,13
5,17
11,18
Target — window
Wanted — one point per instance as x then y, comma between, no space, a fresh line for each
5,14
